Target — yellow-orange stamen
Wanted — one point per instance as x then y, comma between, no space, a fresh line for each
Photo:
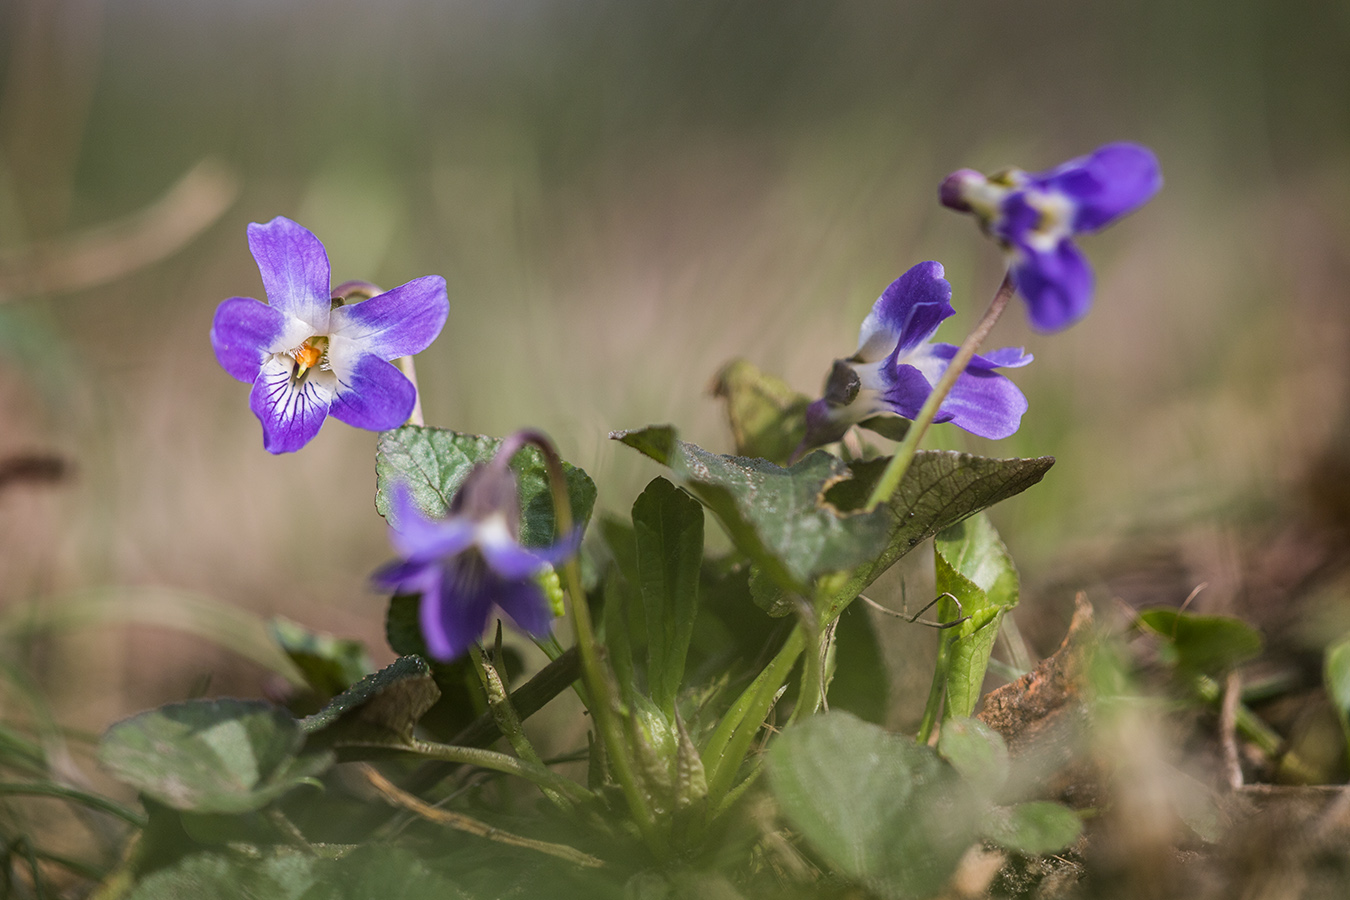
309,354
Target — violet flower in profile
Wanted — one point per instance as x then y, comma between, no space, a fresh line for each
469,562
1035,216
896,367
307,355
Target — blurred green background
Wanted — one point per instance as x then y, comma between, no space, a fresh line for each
622,197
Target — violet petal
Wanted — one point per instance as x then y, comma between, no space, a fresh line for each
397,323
985,404
908,391
371,393
507,558
423,539
1108,183
454,616
242,334
525,603
294,269
1057,286
291,412
1003,357
907,313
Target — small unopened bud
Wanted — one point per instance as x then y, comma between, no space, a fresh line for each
954,193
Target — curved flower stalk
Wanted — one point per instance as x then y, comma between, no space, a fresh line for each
896,367
1035,216
307,355
471,561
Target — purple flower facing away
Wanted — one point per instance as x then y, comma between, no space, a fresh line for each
895,368
1035,216
307,355
469,562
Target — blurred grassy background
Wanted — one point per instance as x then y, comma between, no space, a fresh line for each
623,196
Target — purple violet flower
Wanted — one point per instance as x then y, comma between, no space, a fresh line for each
470,561
895,368
307,355
1034,217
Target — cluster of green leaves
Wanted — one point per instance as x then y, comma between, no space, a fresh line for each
244,801
698,657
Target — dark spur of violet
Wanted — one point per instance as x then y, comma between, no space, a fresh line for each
897,365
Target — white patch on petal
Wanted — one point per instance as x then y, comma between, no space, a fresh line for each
343,354
278,373
875,339
870,376
1057,213
493,532
930,365
294,333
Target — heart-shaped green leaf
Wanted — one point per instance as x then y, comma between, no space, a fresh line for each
433,463
212,756
1034,828
805,521
878,807
1208,644
774,515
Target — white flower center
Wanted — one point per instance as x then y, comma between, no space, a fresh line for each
1056,219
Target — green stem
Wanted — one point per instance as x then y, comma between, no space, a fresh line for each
811,691
508,722
409,369
594,673
526,700
937,690
500,762
730,741
904,454
93,801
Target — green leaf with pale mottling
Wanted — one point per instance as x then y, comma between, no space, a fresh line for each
278,873
383,871
802,522
433,463
212,756
774,515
